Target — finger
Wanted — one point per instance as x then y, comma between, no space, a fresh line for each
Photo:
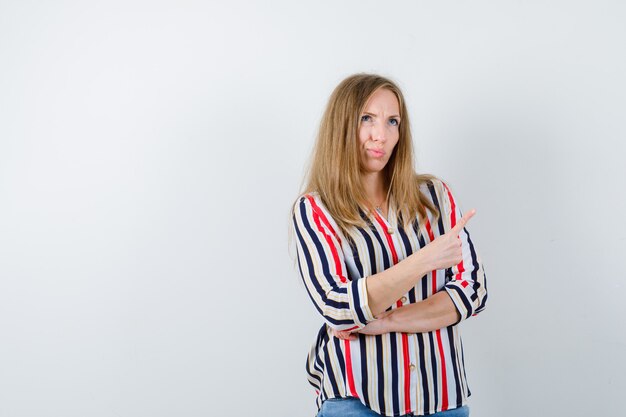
344,335
463,221
339,334
383,314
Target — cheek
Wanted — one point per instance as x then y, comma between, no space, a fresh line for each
362,136
394,143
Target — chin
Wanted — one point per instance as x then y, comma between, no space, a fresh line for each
375,168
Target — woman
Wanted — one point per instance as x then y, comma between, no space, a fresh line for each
387,261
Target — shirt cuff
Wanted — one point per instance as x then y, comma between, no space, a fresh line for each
460,299
359,303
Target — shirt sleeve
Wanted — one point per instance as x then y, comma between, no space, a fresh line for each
468,286
343,303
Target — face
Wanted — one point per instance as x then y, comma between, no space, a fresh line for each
379,130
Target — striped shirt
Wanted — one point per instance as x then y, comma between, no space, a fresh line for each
393,373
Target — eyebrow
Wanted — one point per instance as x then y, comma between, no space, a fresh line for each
373,114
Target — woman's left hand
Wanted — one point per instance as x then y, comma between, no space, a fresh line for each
376,327
345,334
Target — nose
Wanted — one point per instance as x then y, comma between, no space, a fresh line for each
378,133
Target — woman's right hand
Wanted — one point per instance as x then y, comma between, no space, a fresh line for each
445,251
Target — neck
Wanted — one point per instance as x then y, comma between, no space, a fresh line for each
374,187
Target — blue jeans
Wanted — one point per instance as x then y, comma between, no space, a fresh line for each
352,407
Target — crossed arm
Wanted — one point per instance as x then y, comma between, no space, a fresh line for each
436,312
360,305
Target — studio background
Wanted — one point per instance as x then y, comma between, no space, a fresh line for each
150,153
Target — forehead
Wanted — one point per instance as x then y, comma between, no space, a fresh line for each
383,99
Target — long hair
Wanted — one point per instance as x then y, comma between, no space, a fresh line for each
335,172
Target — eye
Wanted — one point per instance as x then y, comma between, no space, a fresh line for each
394,122
366,118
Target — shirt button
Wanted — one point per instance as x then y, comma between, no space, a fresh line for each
412,367
403,299
390,231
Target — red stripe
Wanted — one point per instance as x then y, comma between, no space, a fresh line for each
460,266
405,338
323,216
351,387
407,374
383,226
444,378
317,215
453,214
431,236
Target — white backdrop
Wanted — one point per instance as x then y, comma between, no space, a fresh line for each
150,152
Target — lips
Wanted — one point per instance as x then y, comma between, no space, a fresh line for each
376,153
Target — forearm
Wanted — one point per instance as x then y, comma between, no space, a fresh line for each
436,312
443,252
384,288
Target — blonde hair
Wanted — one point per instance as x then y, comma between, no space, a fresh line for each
335,172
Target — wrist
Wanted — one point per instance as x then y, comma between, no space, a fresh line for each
420,264
387,322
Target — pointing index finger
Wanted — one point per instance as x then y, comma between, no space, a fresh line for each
463,221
